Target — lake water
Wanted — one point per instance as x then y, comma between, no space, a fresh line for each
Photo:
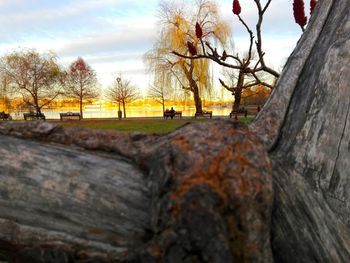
131,112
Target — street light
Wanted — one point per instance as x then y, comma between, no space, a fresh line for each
119,81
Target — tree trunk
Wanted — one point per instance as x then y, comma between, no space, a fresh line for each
81,107
305,127
119,111
38,110
193,86
197,98
37,107
202,193
124,109
238,91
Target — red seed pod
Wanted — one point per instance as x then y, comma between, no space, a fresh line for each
299,13
199,31
191,48
224,55
312,5
236,9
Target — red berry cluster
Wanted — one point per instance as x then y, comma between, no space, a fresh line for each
299,11
299,14
236,8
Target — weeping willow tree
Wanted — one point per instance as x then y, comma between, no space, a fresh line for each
178,23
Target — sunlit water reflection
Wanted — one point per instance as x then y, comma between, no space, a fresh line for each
131,112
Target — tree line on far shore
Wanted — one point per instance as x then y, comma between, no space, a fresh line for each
189,40
39,79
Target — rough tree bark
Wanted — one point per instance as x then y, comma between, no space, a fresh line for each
71,194
202,193
305,127
188,69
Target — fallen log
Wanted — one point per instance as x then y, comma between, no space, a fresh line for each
54,195
123,197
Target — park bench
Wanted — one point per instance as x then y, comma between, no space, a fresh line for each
5,116
70,115
33,116
240,111
204,114
170,114
249,109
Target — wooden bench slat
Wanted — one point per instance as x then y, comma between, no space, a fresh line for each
204,114
34,116
239,112
70,115
249,109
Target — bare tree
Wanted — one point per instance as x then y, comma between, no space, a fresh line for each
248,69
37,77
230,79
161,90
81,82
158,94
122,92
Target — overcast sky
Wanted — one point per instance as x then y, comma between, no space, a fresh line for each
113,35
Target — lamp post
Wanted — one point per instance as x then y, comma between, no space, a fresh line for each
119,81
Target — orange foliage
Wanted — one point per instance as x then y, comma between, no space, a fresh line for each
256,95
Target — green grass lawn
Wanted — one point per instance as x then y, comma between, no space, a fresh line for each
246,120
149,126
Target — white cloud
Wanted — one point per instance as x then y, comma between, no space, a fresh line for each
107,42
113,35
125,56
8,3
132,70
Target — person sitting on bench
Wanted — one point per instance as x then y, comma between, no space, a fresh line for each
172,112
